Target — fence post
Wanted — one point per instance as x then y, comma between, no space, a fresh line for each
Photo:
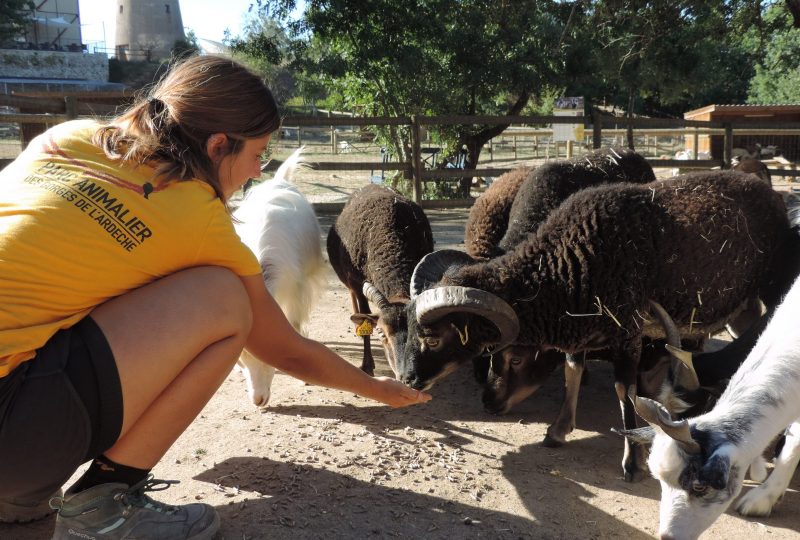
416,156
333,137
71,107
728,152
597,129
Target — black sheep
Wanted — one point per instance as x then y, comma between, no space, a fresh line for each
374,246
520,200
488,218
700,245
549,185
693,390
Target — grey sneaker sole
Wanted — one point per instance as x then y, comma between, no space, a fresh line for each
69,533
210,531
20,513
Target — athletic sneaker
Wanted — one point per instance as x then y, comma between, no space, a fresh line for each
116,511
14,511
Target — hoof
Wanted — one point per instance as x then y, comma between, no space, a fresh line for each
550,442
635,476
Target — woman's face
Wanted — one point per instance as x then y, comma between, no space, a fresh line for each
236,169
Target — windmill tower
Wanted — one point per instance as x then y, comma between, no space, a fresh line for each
147,29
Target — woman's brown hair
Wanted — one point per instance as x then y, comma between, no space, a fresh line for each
169,127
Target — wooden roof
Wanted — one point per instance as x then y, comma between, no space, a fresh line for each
745,110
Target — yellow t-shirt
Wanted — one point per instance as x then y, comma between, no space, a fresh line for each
77,229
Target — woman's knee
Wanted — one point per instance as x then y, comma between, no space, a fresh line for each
224,295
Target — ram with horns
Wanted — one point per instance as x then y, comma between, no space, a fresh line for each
700,245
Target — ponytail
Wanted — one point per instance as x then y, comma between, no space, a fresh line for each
169,129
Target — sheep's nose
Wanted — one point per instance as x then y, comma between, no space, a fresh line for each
667,536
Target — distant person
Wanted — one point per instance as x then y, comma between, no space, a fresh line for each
126,298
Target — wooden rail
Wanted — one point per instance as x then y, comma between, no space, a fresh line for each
52,110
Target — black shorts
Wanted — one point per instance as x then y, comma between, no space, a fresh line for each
57,411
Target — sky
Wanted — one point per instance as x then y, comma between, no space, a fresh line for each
206,17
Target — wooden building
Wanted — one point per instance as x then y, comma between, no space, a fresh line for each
787,141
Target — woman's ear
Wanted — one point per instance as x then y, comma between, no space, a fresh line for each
217,146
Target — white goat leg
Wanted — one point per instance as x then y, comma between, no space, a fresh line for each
758,469
759,501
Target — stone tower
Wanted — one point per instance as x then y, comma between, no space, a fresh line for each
147,29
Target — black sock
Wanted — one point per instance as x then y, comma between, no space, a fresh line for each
104,471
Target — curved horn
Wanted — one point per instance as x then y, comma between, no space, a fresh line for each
682,366
656,415
671,331
374,295
431,268
433,304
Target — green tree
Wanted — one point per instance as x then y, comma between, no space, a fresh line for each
266,49
472,57
15,15
664,56
389,58
184,48
777,73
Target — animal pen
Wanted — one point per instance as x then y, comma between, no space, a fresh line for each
324,463
344,152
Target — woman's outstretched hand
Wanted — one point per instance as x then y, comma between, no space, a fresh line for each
395,394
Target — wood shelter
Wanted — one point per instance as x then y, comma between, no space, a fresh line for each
787,142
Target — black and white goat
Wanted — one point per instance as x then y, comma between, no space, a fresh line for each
699,245
701,462
279,225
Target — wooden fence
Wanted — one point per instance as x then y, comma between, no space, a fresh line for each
52,110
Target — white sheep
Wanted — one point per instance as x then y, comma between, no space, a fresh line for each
279,225
701,462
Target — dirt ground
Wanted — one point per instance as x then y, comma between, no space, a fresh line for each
320,463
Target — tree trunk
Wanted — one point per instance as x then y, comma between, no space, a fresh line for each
474,143
794,8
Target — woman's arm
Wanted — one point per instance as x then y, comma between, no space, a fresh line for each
274,341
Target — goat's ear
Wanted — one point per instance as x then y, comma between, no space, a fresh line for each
715,471
642,435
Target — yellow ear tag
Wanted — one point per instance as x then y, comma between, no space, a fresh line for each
364,329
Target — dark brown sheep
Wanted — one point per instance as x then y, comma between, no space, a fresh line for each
374,246
488,217
700,245
753,166
518,202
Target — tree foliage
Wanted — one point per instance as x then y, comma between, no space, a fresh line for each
15,15
266,49
777,74
389,58
472,57
184,48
